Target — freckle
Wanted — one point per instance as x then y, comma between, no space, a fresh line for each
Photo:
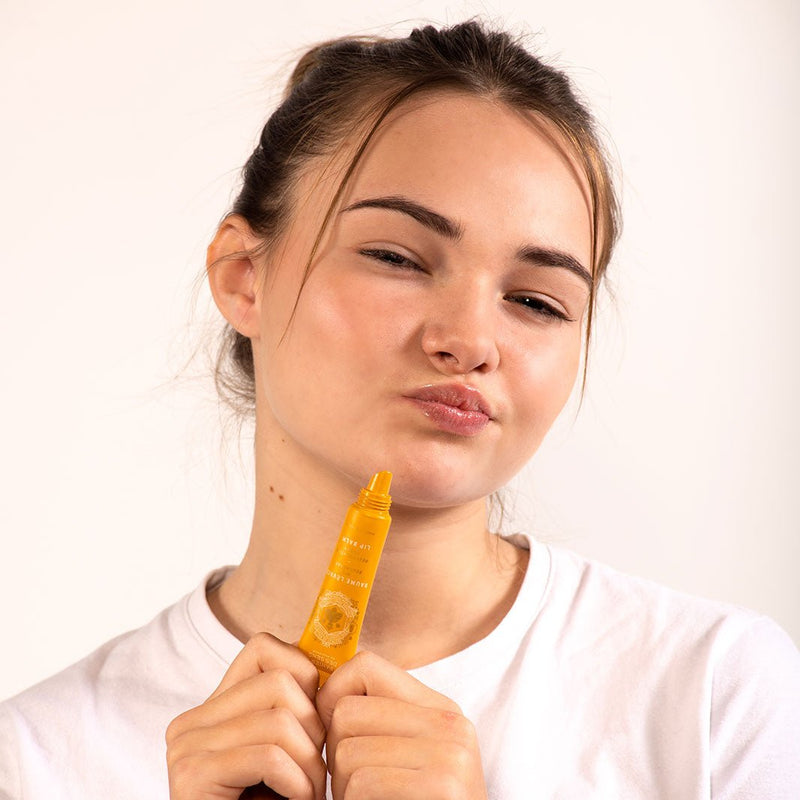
272,488
280,497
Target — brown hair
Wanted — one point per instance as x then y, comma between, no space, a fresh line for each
352,84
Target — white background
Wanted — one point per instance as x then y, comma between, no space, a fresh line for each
123,130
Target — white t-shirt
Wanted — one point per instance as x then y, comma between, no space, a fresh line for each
594,685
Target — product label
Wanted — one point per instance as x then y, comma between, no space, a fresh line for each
347,581
322,661
334,618
358,545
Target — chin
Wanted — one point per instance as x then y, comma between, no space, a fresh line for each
439,486
434,473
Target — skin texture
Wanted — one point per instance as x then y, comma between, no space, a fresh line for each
390,305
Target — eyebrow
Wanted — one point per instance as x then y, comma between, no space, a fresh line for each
430,219
532,254
549,257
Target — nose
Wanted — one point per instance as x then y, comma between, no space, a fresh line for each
459,336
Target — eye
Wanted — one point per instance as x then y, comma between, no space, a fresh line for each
390,257
540,307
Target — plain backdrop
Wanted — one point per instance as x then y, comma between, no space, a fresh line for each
123,130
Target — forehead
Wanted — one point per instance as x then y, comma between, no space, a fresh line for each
493,169
440,124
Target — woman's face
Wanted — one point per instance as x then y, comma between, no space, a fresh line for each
438,334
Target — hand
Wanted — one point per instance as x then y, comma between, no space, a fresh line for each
259,725
390,736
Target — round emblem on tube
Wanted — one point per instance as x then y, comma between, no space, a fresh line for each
334,619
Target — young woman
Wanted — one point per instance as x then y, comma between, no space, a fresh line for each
408,278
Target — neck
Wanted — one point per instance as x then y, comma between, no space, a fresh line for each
443,582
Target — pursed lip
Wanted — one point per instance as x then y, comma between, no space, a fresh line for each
456,395
453,408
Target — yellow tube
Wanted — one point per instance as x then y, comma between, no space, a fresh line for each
331,636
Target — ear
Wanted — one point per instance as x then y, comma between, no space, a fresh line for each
232,275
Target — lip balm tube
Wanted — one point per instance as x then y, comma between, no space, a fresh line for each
331,636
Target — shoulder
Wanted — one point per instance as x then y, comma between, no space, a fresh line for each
586,605
107,712
644,613
65,727
137,662
729,673
633,631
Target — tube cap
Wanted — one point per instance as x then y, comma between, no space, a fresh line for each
380,483
376,494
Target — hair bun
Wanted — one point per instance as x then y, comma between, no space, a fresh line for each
307,62
316,56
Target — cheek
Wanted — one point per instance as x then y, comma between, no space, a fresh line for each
359,319
321,354
343,335
538,381
548,373
335,317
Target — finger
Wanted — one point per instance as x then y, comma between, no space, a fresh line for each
371,751
275,688
360,716
263,652
276,726
369,674
396,783
225,774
